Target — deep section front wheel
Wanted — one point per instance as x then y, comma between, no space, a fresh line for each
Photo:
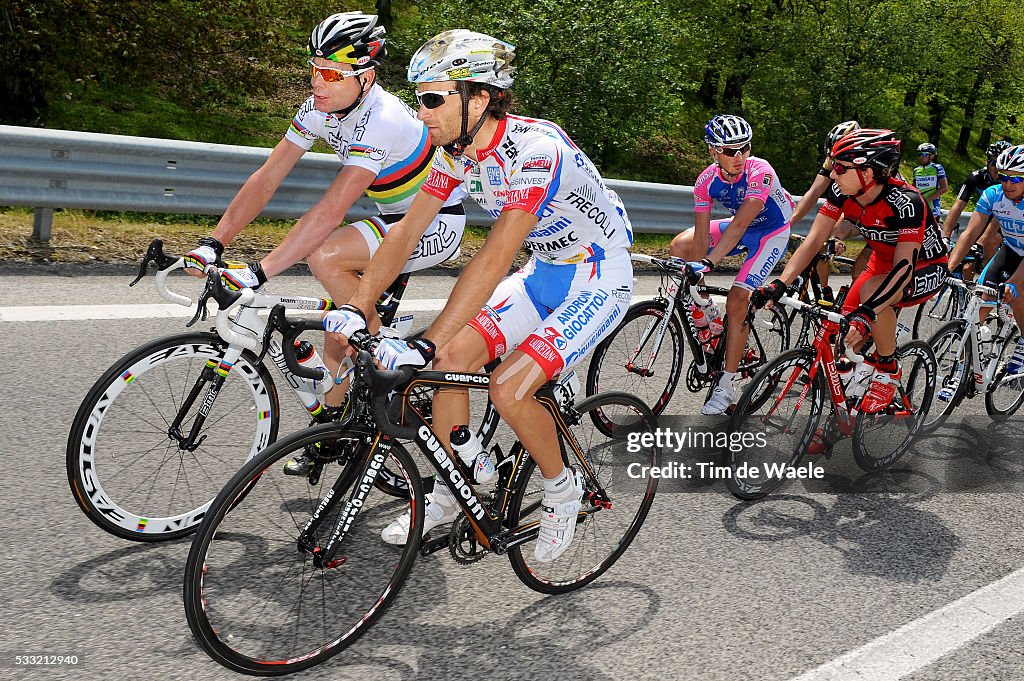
128,464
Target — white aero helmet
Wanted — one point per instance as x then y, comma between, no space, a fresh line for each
1011,159
460,54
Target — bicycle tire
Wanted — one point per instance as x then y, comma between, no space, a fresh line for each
945,344
603,534
873,456
635,336
246,580
119,449
1015,388
786,448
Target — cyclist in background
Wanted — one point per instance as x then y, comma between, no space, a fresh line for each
809,200
749,188
385,155
930,177
547,196
978,181
908,259
1005,203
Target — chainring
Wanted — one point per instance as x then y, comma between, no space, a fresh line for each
462,543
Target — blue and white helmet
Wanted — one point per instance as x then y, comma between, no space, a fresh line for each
460,54
1012,159
726,130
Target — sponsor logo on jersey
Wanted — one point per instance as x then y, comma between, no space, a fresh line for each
586,206
494,176
766,181
551,229
475,187
537,164
551,245
580,312
552,336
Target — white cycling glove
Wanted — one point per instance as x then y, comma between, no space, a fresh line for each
208,253
236,279
393,353
346,320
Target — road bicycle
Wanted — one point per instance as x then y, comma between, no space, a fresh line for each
644,355
973,358
287,572
801,395
164,427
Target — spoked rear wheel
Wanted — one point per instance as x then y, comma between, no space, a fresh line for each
879,440
618,493
257,597
780,411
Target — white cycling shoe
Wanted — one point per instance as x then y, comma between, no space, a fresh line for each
721,400
558,513
439,508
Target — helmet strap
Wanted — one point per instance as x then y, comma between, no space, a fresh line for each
458,147
363,90
863,187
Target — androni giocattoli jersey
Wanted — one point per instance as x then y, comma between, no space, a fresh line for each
532,165
758,181
382,135
1009,214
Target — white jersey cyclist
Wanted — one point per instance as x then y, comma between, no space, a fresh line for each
579,281
1009,214
384,136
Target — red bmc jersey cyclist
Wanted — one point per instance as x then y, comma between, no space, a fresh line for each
898,215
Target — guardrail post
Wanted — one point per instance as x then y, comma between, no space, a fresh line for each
42,223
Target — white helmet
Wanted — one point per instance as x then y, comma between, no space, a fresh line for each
1012,159
464,55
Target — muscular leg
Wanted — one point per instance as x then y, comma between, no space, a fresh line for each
512,389
884,328
736,305
860,263
336,265
466,352
682,246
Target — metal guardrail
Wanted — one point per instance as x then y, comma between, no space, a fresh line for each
47,169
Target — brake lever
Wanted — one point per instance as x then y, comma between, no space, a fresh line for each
155,253
202,314
276,320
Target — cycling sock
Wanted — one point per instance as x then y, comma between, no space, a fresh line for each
560,484
726,382
886,363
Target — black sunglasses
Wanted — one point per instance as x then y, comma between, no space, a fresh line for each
841,169
431,99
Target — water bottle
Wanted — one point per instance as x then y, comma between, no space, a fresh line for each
467,445
309,358
700,322
984,333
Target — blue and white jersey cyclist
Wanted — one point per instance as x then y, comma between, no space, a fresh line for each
749,188
385,153
1005,203
547,196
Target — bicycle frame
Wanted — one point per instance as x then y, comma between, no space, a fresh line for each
1004,331
487,521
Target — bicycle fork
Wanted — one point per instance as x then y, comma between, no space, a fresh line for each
214,373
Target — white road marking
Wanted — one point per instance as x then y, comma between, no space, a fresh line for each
51,313
926,639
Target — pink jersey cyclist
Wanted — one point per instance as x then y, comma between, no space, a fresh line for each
767,235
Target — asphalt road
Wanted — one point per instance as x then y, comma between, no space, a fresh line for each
710,589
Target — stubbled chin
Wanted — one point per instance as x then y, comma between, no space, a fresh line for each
323,105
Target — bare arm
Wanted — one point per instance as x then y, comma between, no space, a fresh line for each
316,225
953,217
389,260
478,281
942,188
820,231
701,235
257,191
975,227
810,198
749,210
